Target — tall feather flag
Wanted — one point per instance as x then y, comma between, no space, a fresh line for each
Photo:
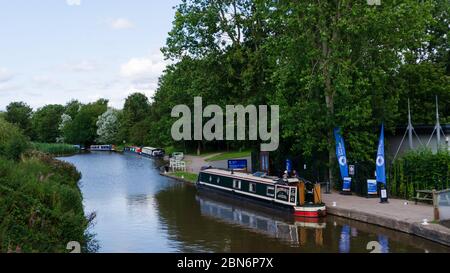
340,153
381,162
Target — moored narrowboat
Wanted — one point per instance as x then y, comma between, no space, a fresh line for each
133,149
102,148
152,152
299,197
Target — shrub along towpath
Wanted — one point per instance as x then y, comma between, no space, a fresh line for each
395,215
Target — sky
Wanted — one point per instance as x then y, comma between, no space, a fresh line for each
53,51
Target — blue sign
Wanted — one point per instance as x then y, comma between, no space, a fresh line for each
289,165
340,153
381,162
347,184
237,164
372,187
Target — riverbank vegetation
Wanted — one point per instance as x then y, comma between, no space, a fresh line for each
41,206
56,149
229,155
326,64
191,177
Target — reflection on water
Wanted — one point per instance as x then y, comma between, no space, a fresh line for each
140,211
257,222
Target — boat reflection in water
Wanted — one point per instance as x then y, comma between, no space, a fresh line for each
289,230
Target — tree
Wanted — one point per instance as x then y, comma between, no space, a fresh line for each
45,122
336,60
327,64
19,113
108,127
82,129
65,121
72,108
136,109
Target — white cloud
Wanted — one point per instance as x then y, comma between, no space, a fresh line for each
143,73
144,70
73,2
121,23
5,75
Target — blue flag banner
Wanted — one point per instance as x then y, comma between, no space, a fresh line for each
340,153
381,162
289,165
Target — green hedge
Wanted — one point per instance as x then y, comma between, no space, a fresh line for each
420,170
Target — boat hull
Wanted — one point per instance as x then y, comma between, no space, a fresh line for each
310,211
306,212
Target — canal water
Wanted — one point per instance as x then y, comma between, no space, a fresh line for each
140,211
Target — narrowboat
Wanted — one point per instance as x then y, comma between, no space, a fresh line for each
133,149
102,148
152,152
296,196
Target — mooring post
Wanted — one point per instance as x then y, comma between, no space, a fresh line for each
436,205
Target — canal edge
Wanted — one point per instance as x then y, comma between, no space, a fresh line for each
432,232
179,179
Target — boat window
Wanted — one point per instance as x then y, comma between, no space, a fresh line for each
210,178
218,180
252,187
237,184
271,191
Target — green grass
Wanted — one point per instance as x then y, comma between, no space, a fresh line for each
191,177
229,155
55,149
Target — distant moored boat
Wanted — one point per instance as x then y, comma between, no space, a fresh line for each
102,148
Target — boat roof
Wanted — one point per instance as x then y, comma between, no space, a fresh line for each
245,176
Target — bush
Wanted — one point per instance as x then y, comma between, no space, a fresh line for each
40,205
56,149
12,142
420,170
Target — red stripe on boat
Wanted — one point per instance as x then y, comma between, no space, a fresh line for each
315,214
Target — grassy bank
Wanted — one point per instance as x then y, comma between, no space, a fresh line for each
191,177
56,149
41,207
229,155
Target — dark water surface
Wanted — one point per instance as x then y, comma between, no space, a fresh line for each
140,211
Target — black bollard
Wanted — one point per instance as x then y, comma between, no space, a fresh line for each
383,194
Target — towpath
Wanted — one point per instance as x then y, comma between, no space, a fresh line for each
398,214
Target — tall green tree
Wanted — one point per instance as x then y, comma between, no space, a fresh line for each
135,110
19,113
335,62
45,122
